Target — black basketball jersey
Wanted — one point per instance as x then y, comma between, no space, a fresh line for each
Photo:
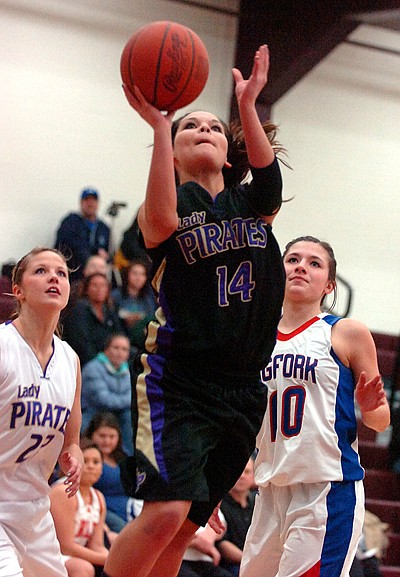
220,279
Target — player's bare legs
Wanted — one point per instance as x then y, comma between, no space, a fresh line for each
170,560
140,544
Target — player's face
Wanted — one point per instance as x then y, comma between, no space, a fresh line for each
106,438
92,466
307,272
44,282
118,351
200,144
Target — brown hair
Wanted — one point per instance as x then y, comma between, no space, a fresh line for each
83,293
237,152
107,419
331,260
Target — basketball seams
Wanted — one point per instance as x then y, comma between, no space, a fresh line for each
158,67
189,76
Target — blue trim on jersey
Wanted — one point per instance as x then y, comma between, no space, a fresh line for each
155,396
341,505
345,421
331,319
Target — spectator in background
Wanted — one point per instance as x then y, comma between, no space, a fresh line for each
94,263
130,248
83,234
80,521
104,430
7,300
135,302
106,386
237,508
92,319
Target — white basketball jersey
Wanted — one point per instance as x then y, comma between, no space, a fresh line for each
86,518
309,433
34,409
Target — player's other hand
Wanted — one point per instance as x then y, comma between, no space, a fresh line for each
73,470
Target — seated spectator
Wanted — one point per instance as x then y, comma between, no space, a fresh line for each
94,264
202,558
106,386
88,324
104,430
80,520
83,234
237,508
371,548
135,302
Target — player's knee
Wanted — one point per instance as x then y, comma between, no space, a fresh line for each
166,518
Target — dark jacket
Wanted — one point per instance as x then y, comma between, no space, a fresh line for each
85,332
78,239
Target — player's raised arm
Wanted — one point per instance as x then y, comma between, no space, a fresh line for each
259,150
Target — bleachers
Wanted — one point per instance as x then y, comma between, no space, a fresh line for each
382,492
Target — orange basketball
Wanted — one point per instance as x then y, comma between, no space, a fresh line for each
168,62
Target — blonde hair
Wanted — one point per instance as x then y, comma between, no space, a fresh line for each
21,266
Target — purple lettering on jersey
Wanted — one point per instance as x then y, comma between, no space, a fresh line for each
188,244
31,413
210,239
18,411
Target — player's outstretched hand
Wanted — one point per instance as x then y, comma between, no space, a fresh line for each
248,90
73,470
149,113
370,394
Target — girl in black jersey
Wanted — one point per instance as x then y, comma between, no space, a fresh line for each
219,278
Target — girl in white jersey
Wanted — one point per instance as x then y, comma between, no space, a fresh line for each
309,512
80,521
39,417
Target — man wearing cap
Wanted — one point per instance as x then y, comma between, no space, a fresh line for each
81,235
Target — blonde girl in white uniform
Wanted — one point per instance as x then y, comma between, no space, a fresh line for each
40,417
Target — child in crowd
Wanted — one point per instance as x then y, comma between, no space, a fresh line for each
80,521
104,430
135,302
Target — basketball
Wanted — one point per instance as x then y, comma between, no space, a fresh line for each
168,62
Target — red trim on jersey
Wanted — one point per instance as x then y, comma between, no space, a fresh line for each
314,571
300,329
